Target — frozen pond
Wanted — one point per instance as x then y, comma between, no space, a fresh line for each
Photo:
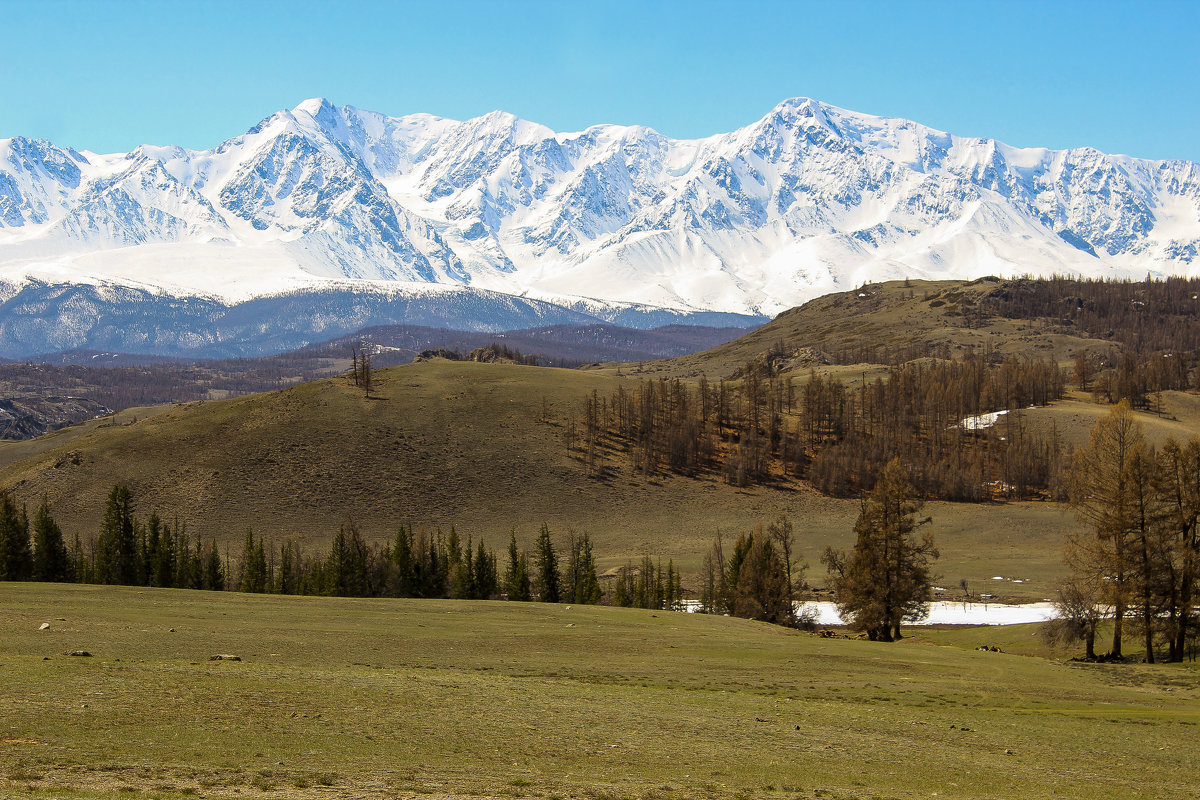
945,612
942,612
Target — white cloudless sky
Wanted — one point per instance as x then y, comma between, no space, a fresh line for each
107,75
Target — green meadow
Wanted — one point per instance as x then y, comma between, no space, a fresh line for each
354,698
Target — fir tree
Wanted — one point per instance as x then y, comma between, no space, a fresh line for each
432,564
116,546
462,571
80,566
581,584
160,553
189,567
485,573
886,579
212,571
346,567
516,579
761,588
254,566
402,560
546,563
51,562
16,557
674,595
287,565
623,590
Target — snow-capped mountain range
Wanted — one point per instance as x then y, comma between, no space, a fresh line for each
419,213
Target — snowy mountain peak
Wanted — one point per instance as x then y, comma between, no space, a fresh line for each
810,198
313,106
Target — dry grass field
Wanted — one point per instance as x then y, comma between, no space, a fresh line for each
343,698
888,315
450,443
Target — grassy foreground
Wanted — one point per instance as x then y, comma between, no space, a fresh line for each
346,698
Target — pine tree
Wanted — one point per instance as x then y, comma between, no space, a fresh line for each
885,580
485,573
462,568
254,566
160,553
51,562
402,560
581,585
516,578
545,562
80,566
1179,476
1102,496
288,559
365,369
212,574
16,556
346,567
117,546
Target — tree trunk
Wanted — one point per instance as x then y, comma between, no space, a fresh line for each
1118,624
1185,603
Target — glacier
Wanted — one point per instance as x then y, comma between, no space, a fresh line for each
341,214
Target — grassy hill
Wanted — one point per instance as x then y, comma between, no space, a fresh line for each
480,447
370,699
450,443
880,322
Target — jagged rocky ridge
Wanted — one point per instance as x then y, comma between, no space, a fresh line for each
324,201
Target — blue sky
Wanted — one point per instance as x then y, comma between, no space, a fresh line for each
107,75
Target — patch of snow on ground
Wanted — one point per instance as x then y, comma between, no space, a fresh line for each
942,612
952,613
981,421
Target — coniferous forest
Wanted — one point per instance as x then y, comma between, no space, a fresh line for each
134,551
838,437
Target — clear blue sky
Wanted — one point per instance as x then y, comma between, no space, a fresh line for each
107,75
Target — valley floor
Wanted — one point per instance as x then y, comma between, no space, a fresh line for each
345,698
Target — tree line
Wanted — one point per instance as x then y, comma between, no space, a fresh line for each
762,427
416,562
1138,562
125,550
762,577
1153,324
882,582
